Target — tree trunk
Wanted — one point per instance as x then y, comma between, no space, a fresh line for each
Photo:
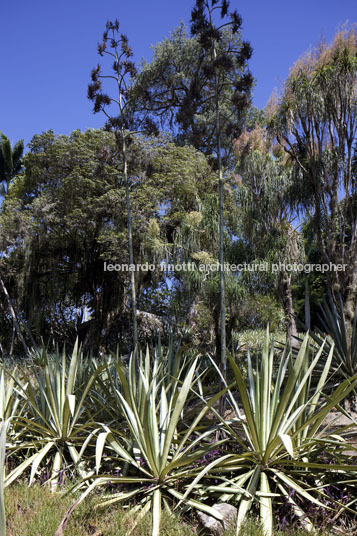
14,319
223,360
25,326
217,332
288,305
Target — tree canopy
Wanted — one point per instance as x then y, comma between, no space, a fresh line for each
184,170
315,121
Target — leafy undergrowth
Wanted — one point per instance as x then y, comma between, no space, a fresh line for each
254,338
36,511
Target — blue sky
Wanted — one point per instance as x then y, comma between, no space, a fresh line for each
48,49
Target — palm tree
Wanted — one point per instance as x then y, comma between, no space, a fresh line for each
314,121
10,161
10,166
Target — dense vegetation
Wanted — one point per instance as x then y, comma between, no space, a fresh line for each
114,243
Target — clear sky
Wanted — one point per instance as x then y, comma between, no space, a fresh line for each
48,49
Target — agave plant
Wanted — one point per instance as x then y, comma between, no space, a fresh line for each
56,427
109,378
284,437
345,342
158,456
9,401
12,404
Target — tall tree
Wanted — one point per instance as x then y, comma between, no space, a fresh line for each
315,121
199,87
66,213
50,225
10,166
177,88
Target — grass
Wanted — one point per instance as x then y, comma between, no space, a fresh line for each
35,511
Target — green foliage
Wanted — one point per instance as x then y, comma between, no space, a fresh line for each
284,437
55,423
63,218
9,396
147,436
157,454
12,407
54,214
33,511
10,162
258,310
344,338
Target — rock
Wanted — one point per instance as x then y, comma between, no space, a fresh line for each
149,324
213,525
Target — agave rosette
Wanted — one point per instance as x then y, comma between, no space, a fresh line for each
282,438
56,427
160,452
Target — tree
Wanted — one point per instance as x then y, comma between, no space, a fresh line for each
177,89
10,161
65,215
267,216
315,121
200,88
51,221
10,166
216,76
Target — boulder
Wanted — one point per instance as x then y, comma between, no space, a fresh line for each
214,526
